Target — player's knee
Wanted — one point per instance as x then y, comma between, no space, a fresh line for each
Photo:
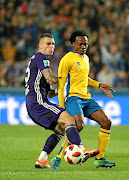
60,130
69,121
79,123
65,119
106,123
80,127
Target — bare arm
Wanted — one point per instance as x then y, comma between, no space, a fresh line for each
52,93
104,87
53,90
107,89
49,77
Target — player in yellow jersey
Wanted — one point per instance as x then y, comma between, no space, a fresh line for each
73,74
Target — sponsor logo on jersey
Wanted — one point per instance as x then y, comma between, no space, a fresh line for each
78,65
46,63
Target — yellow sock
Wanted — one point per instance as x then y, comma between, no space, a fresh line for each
64,145
104,137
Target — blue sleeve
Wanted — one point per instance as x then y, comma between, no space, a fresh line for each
43,62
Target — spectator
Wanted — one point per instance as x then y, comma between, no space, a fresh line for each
2,26
53,30
15,29
39,5
83,24
105,76
103,34
126,12
106,23
58,54
103,49
93,15
114,59
20,72
107,20
8,50
3,82
8,24
48,17
85,13
11,73
96,64
75,18
23,8
65,39
29,33
121,80
55,6
62,20
126,58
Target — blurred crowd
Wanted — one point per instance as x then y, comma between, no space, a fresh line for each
105,21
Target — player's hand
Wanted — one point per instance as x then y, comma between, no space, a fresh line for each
107,89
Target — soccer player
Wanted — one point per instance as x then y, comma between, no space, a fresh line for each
73,74
46,114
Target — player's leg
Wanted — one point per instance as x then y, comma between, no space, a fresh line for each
64,121
64,145
74,108
66,142
50,144
104,137
39,114
56,161
79,119
104,132
68,122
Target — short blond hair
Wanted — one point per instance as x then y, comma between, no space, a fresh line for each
46,35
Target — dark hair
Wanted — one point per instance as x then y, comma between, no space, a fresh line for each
77,33
46,35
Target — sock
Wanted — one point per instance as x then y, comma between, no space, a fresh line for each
73,134
50,145
64,145
81,146
43,156
104,137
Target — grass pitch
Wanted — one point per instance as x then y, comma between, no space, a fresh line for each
21,145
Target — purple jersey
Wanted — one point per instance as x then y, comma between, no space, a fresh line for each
36,87
40,110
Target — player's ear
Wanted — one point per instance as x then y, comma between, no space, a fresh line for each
73,43
39,45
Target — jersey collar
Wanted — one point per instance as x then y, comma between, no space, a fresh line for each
78,54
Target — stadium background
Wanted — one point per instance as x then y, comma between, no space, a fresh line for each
107,24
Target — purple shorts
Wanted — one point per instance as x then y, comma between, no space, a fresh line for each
46,114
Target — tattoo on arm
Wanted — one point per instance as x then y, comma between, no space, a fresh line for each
49,77
52,93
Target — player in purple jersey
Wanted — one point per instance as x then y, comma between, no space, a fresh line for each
38,83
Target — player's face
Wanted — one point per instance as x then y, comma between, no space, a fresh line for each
81,44
47,46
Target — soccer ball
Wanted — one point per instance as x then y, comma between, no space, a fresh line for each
73,154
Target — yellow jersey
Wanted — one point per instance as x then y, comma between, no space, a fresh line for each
76,68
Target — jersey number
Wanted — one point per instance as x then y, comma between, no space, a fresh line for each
28,73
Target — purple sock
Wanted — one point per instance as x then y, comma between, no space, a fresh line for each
52,142
73,134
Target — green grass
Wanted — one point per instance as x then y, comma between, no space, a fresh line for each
21,145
